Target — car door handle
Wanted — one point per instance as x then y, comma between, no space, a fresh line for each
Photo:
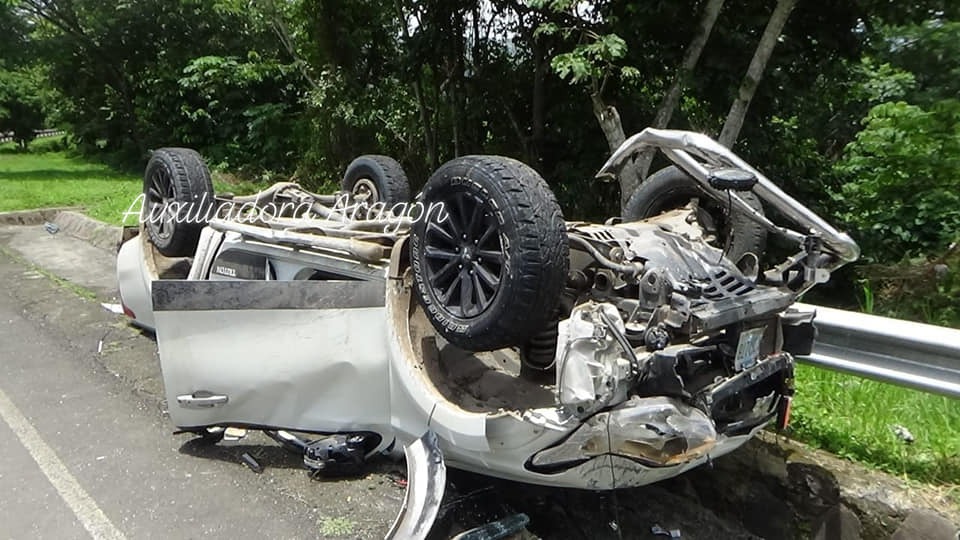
201,400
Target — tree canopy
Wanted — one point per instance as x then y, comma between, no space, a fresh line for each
853,109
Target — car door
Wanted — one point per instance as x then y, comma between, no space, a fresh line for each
299,355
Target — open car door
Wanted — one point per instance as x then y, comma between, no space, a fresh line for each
297,355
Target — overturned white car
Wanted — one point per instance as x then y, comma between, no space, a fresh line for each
535,349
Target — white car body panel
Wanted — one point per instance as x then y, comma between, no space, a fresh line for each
300,372
134,280
340,369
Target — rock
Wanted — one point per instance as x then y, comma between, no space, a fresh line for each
95,232
778,488
926,525
881,501
813,488
838,523
766,514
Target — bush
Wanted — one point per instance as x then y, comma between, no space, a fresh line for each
924,290
902,189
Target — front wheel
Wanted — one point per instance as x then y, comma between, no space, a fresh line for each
671,188
489,267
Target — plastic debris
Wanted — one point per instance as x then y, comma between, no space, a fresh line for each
112,308
249,461
233,435
660,531
903,433
496,530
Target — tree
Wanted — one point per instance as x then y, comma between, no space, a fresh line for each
24,98
593,62
21,106
738,110
901,175
903,180
690,58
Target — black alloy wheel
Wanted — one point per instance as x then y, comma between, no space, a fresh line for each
464,256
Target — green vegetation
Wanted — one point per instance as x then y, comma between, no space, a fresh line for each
47,175
336,527
37,180
858,419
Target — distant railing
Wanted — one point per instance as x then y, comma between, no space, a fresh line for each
38,134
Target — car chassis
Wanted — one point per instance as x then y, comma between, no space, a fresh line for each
665,353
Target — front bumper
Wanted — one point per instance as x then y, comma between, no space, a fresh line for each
666,431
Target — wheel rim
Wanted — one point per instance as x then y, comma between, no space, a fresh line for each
464,257
365,190
161,193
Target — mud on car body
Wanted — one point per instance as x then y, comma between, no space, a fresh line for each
523,345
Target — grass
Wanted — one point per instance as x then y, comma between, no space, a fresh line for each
338,526
47,177
857,419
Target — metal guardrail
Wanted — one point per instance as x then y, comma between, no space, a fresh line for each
921,356
39,134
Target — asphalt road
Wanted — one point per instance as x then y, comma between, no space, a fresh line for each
86,450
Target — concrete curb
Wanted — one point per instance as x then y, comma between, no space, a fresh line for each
37,216
96,233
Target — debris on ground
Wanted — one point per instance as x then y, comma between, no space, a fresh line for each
100,343
252,463
112,308
233,435
660,531
903,433
496,530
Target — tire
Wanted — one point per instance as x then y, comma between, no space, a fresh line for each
176,175
489,275
376,179
672,188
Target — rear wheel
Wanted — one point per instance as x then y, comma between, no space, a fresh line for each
178,200
489,267
672,188
372,179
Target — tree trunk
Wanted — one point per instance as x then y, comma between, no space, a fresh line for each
738,111
609,120
690,58
540,66
426,125
279,27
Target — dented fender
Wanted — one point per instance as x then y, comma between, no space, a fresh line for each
426,481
